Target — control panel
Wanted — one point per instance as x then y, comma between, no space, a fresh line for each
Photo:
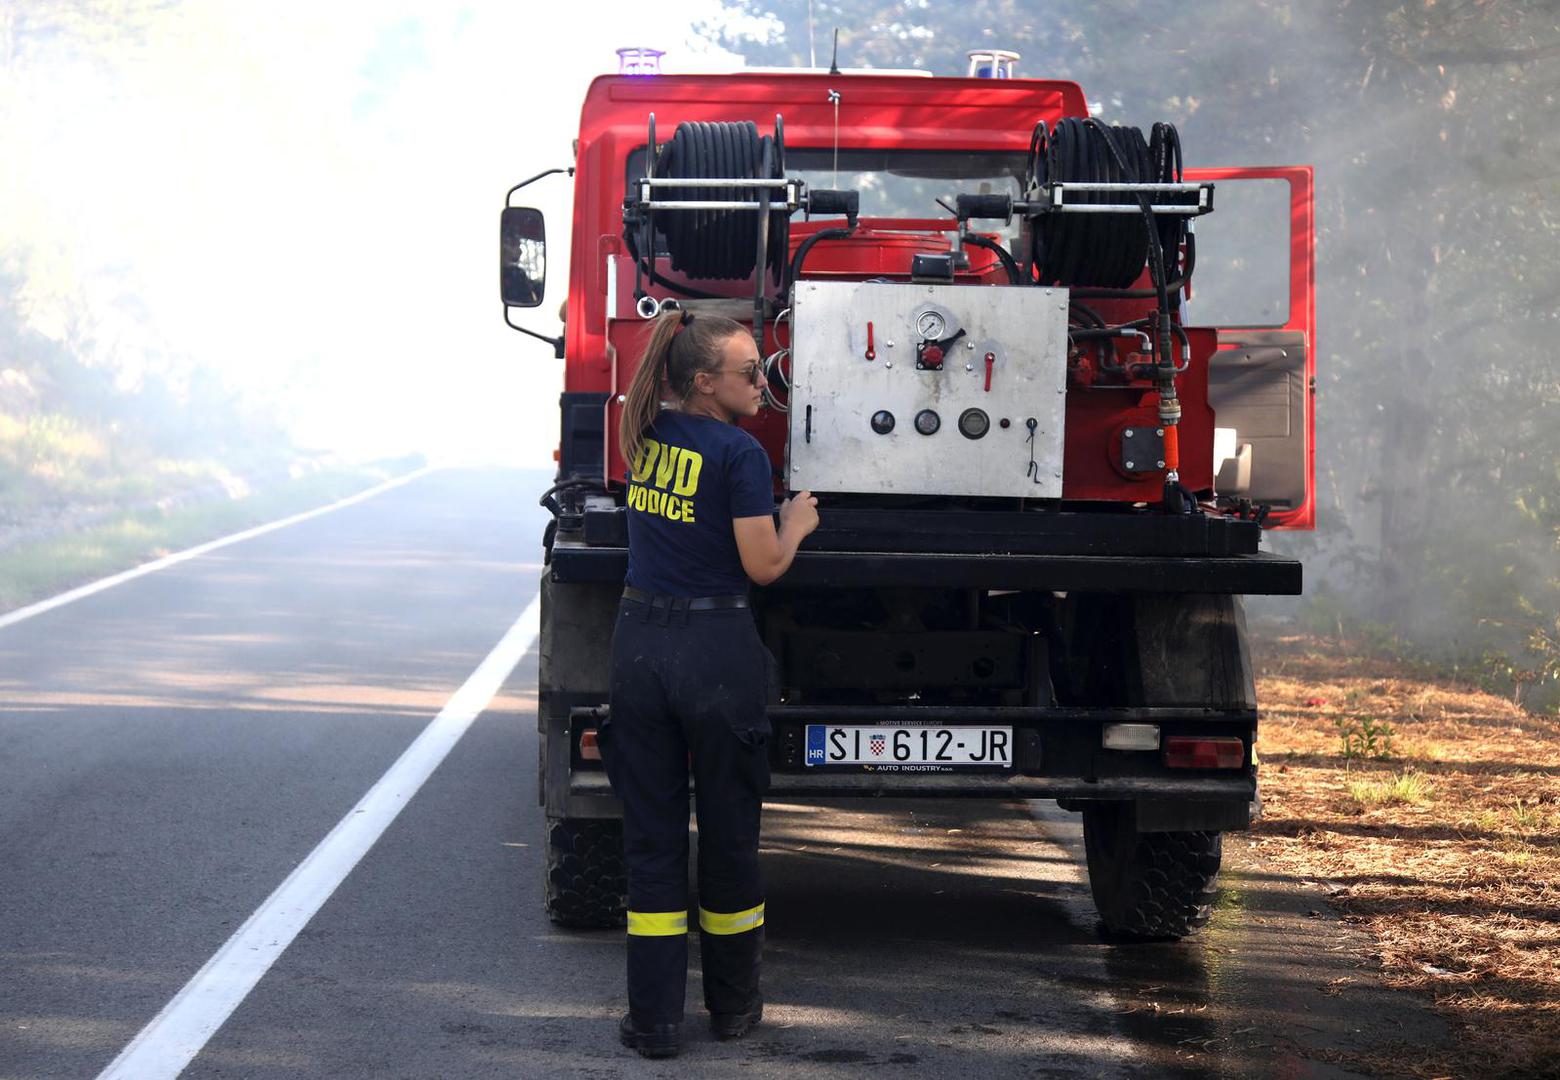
927,389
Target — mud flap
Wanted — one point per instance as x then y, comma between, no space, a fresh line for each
1189,649
1165,815
574,660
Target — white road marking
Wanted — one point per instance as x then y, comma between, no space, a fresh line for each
189,553
170,1042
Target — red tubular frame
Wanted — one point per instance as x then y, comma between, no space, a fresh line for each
1302,306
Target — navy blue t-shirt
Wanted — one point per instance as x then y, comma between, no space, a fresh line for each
693,475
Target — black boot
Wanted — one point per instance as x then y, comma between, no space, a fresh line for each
735,1025
655,1041
732,964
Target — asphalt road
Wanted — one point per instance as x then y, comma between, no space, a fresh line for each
171,748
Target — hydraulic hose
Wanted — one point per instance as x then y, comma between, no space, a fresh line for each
1008,262
1150,232
795,270
1115,155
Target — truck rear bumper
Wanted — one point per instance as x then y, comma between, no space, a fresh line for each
1256,573
1162,805
1240,788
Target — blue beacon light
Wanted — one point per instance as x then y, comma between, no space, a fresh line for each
991,63
636,60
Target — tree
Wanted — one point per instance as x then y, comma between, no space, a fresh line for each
1438,169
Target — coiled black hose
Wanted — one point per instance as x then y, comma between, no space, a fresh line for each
1106,250
718,245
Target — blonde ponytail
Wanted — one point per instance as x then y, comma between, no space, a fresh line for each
681,345
643,399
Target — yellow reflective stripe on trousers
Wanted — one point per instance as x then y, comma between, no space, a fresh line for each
737,922
657,923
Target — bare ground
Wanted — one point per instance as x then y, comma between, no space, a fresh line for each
1440,837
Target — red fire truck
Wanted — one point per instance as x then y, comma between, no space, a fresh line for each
1044,457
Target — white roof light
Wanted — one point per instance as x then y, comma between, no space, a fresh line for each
991,63
636,60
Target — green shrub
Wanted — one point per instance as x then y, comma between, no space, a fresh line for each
1364,737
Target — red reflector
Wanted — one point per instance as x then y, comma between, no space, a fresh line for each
1195,752
589,751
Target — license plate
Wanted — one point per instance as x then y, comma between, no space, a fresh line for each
921,747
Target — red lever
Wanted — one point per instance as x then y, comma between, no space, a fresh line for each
991,358
871,351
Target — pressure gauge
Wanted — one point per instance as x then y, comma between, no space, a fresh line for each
931,325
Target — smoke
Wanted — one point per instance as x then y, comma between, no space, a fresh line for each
301,202
1437,453
1428,123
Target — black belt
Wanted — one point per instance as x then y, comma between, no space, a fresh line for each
684,603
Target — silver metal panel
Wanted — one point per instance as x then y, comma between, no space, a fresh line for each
1256,385
836,389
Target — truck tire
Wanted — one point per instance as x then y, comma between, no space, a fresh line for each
585,886
1148,885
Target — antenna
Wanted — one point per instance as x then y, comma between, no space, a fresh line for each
834,99
834,61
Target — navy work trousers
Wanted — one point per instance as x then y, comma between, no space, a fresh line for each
689,690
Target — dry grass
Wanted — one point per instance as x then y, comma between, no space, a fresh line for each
1404,788
1443,841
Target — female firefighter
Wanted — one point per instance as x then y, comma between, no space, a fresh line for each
689,673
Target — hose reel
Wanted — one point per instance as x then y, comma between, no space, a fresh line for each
714,232
1109,247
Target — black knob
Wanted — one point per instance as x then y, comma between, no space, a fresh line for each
927,422
973,423
882,421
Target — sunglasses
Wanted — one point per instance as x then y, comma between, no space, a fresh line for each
754,372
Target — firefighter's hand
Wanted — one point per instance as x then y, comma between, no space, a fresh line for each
799,514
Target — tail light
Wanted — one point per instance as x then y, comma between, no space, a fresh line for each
1198,752
589,750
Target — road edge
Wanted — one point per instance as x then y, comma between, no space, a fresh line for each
81,592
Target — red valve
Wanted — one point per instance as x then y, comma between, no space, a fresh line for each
1082,373
932,356
991,358
1172,448
871,351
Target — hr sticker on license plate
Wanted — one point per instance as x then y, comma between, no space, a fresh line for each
920,748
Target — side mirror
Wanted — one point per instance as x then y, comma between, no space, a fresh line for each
522,256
